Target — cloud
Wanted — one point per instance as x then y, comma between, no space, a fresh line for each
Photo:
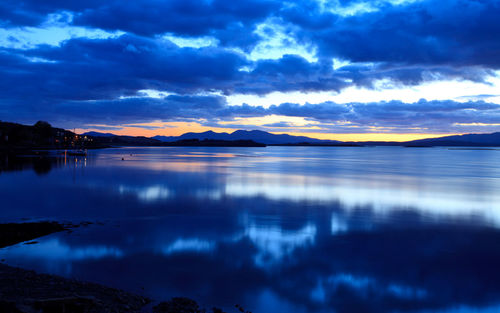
395,42
104,127
96,69
451,32
109,68
212,110
321,111
220,18
389,116
279,125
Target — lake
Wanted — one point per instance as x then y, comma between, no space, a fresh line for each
276,229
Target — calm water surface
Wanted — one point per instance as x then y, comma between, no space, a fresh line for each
276,229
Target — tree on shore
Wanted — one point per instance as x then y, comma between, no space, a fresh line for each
42,132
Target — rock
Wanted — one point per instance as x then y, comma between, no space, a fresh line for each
23,291
9,307
177,305
182,305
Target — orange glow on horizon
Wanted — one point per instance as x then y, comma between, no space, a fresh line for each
367,136
179,128
162,129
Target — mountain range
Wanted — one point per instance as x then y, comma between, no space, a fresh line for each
492,139
98,134
255,135
266,138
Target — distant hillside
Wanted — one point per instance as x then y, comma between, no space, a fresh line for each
214,143
472,140
98,134
41,135
254,135
127,141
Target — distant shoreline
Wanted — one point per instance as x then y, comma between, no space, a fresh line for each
42,136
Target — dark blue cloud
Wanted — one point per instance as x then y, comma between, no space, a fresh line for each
407,43
421,116
427,32
98,69
184,17
323,111
230,23
33,12
451,32
292,73
84,81
386,116
77,113
84,69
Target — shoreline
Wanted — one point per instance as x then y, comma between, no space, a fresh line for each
26,291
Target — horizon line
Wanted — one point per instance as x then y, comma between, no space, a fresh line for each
421,136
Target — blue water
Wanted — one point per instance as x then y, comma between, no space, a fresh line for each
276,229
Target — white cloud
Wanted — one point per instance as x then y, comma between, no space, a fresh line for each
385,90
30,37
277,40
192,42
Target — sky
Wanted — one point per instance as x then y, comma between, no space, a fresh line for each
340,69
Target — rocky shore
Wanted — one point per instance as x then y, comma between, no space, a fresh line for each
24,291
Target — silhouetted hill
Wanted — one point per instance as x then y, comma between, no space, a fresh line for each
257,136
214,143
254,135
41,135
471,140
127,141
114,140
98,134
321,144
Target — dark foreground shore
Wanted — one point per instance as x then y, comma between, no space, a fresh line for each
24,291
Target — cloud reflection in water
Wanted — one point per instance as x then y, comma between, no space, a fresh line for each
303,230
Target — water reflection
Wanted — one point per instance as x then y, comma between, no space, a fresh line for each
41,162
273,243
55,249
192,244
275,229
